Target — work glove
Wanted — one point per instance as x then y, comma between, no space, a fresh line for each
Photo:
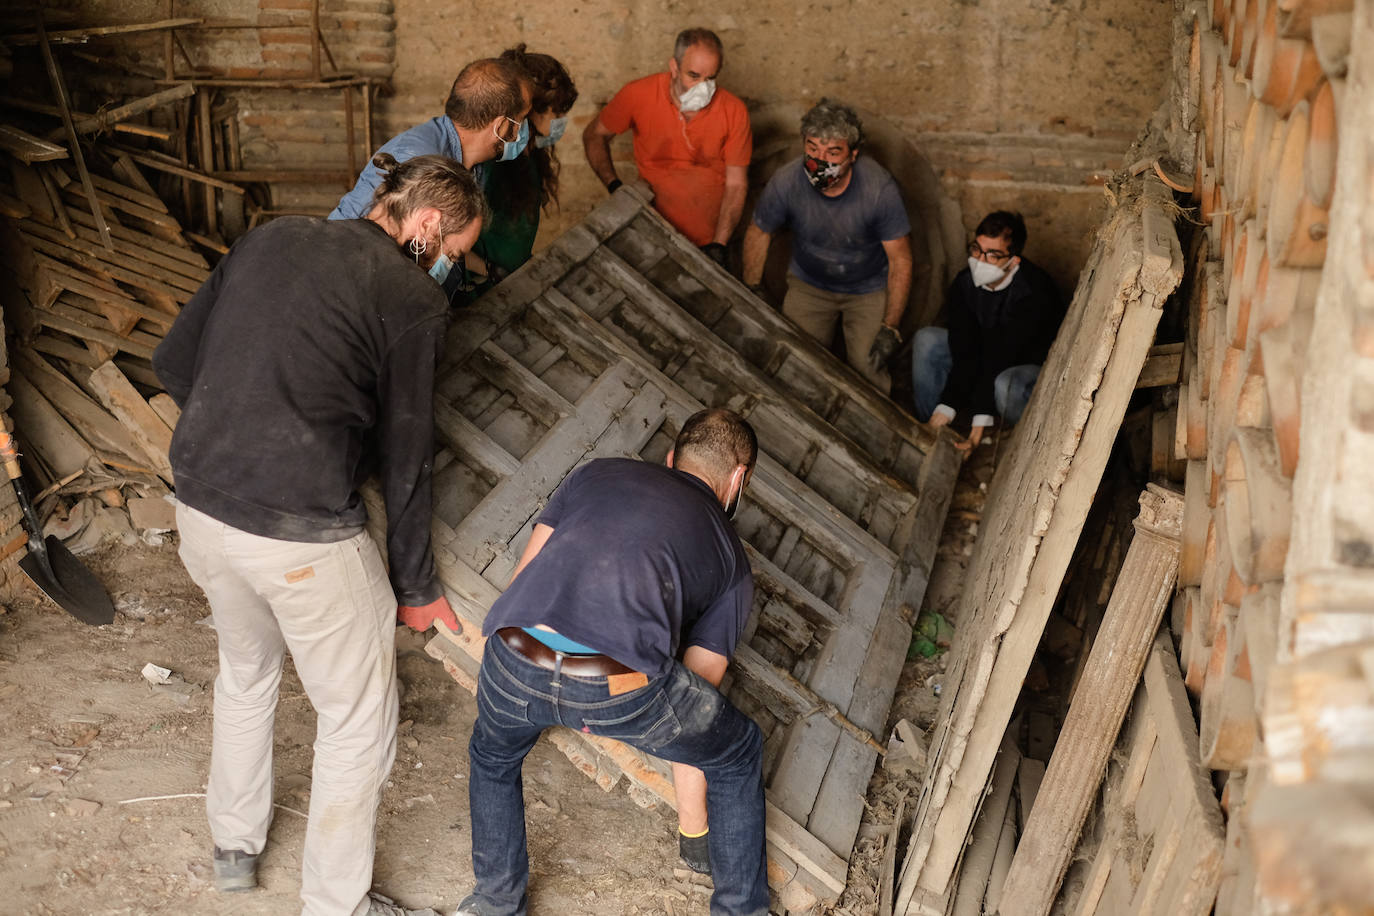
718,253
419,618
884,345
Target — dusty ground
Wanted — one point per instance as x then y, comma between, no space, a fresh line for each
79,727
88,750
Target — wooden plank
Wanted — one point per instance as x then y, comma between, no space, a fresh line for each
172,167
147,428
82,254
109,117
1178,748
166,409
470,443
532,394
28,185
138,211
1115,662
806,850
81,36
102,297
75,308
808,508
772,326
804,701
40,427
59,209
856,469
645,297
1042,494
151,243
28,148
94,335
1162,367
59,89
101,429
515,500
836,816
44,343
987,831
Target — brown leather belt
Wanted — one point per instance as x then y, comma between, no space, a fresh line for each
544,657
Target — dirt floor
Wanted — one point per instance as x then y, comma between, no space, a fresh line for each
90,753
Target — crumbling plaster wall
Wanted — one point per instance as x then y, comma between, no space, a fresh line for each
1017,103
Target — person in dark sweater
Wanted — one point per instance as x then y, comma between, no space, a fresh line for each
1003,313
302,366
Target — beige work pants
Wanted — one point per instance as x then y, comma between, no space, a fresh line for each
816,310
333,608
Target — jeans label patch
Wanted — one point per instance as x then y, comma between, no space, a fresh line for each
616,684
299,575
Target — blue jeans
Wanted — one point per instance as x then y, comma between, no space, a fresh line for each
931,362
678,717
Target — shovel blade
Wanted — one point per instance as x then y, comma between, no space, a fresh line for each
70,584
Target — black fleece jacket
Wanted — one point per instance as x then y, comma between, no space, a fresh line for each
302,366
990,332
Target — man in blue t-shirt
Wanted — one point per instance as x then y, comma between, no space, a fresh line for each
851,246
630,567
483,119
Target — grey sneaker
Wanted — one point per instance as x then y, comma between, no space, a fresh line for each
378,905
235,870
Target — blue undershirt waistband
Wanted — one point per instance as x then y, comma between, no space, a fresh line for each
559,643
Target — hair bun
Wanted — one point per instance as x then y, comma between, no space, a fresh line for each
385,162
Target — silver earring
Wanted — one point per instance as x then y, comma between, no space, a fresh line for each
418,246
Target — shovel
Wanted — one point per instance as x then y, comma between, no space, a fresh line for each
49,563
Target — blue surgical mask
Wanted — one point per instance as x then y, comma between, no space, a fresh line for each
442,265
513,148
556,128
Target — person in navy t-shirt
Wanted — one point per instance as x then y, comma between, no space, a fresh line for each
621,617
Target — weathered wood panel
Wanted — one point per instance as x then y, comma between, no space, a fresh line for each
1156,846
581,355
1041,496
1101,698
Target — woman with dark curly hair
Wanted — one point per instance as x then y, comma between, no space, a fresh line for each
517,191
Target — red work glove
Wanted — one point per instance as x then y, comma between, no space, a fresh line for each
419,618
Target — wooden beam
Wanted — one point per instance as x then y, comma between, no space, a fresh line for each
28,148
81,36
107,119
147,428
172,167
96,425
1104,693
59,89
46,431
1162,367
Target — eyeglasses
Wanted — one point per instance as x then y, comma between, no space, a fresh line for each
992,255
511,127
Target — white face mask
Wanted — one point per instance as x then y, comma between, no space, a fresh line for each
698,97
985,274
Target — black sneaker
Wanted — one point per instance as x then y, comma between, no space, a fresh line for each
695,851
235,870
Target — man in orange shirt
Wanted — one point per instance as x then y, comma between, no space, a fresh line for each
692,142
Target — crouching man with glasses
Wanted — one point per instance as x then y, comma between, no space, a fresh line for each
1002,313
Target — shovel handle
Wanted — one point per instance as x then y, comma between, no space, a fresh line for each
9,454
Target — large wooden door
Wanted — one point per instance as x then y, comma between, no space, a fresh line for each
577,357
